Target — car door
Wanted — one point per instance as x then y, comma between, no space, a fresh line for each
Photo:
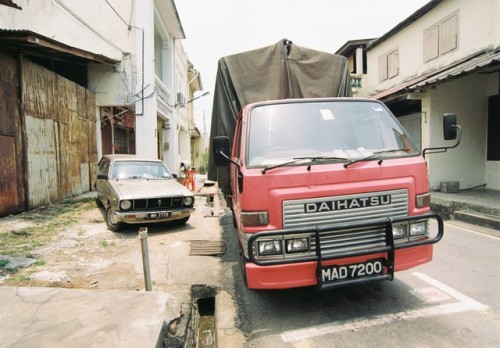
101,184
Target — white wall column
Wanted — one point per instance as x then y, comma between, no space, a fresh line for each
146,109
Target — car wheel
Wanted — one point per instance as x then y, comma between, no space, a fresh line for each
182,221
111,222
98,202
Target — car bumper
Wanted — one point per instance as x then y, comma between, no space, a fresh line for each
132,217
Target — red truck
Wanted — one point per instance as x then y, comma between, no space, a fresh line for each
326,190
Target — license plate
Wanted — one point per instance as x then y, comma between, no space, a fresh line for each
159,215
352,271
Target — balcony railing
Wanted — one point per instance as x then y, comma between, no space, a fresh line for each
356,80
163,97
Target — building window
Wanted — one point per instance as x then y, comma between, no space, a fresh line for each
493,128
388,65
441,38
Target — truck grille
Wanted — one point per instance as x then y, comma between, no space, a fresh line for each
347,209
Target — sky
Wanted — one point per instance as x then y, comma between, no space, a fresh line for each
217,28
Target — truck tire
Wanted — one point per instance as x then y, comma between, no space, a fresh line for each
242,263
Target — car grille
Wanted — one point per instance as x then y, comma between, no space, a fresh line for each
158,203
347,239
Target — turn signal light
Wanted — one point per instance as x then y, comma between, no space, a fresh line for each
254,218
423,200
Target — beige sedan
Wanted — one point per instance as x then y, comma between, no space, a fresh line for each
136,190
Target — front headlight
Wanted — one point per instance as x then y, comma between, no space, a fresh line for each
188,201
269,247
125,205
399,231
418,229
297,245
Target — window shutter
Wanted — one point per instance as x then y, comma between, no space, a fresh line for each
393,63
382,67
431,43
449,35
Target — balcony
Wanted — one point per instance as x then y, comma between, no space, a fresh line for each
163,98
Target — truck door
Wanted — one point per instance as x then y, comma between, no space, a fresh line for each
235,171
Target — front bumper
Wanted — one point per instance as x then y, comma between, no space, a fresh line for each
135,217
306,270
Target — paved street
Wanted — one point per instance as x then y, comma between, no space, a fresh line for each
451,302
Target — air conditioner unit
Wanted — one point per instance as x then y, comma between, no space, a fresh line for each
181,100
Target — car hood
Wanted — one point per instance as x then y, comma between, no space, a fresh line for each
134,189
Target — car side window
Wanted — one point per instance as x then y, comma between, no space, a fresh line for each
104,166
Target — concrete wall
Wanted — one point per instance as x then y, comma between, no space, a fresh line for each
146,109
467,98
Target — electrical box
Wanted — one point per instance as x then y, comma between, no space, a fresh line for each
449,186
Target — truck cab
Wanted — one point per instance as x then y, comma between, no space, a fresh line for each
326,192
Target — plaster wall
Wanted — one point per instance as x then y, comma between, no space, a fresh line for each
479,29
93,26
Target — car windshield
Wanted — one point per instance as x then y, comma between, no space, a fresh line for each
139,170
341,129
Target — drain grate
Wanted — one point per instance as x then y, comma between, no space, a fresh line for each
207,248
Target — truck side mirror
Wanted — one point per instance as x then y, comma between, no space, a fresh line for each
450,126
221,151
451,131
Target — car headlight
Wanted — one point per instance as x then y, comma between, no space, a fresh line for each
188,201
269,247
125,205
418,229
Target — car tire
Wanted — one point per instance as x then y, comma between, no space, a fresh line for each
182,221
98,202
111,222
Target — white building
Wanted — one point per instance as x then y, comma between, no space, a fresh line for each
97,77
444,58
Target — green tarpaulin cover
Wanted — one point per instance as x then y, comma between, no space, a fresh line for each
281,71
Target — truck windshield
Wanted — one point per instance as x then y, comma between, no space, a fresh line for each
350,129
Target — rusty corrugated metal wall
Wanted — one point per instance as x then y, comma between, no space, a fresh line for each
60,130
12,194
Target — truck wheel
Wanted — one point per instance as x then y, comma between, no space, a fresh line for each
234,219
111,222
243,262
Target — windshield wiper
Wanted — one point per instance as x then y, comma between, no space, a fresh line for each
298,159
372,156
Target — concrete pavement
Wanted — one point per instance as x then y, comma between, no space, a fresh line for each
56,317
59,317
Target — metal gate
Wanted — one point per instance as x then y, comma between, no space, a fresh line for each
11,164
